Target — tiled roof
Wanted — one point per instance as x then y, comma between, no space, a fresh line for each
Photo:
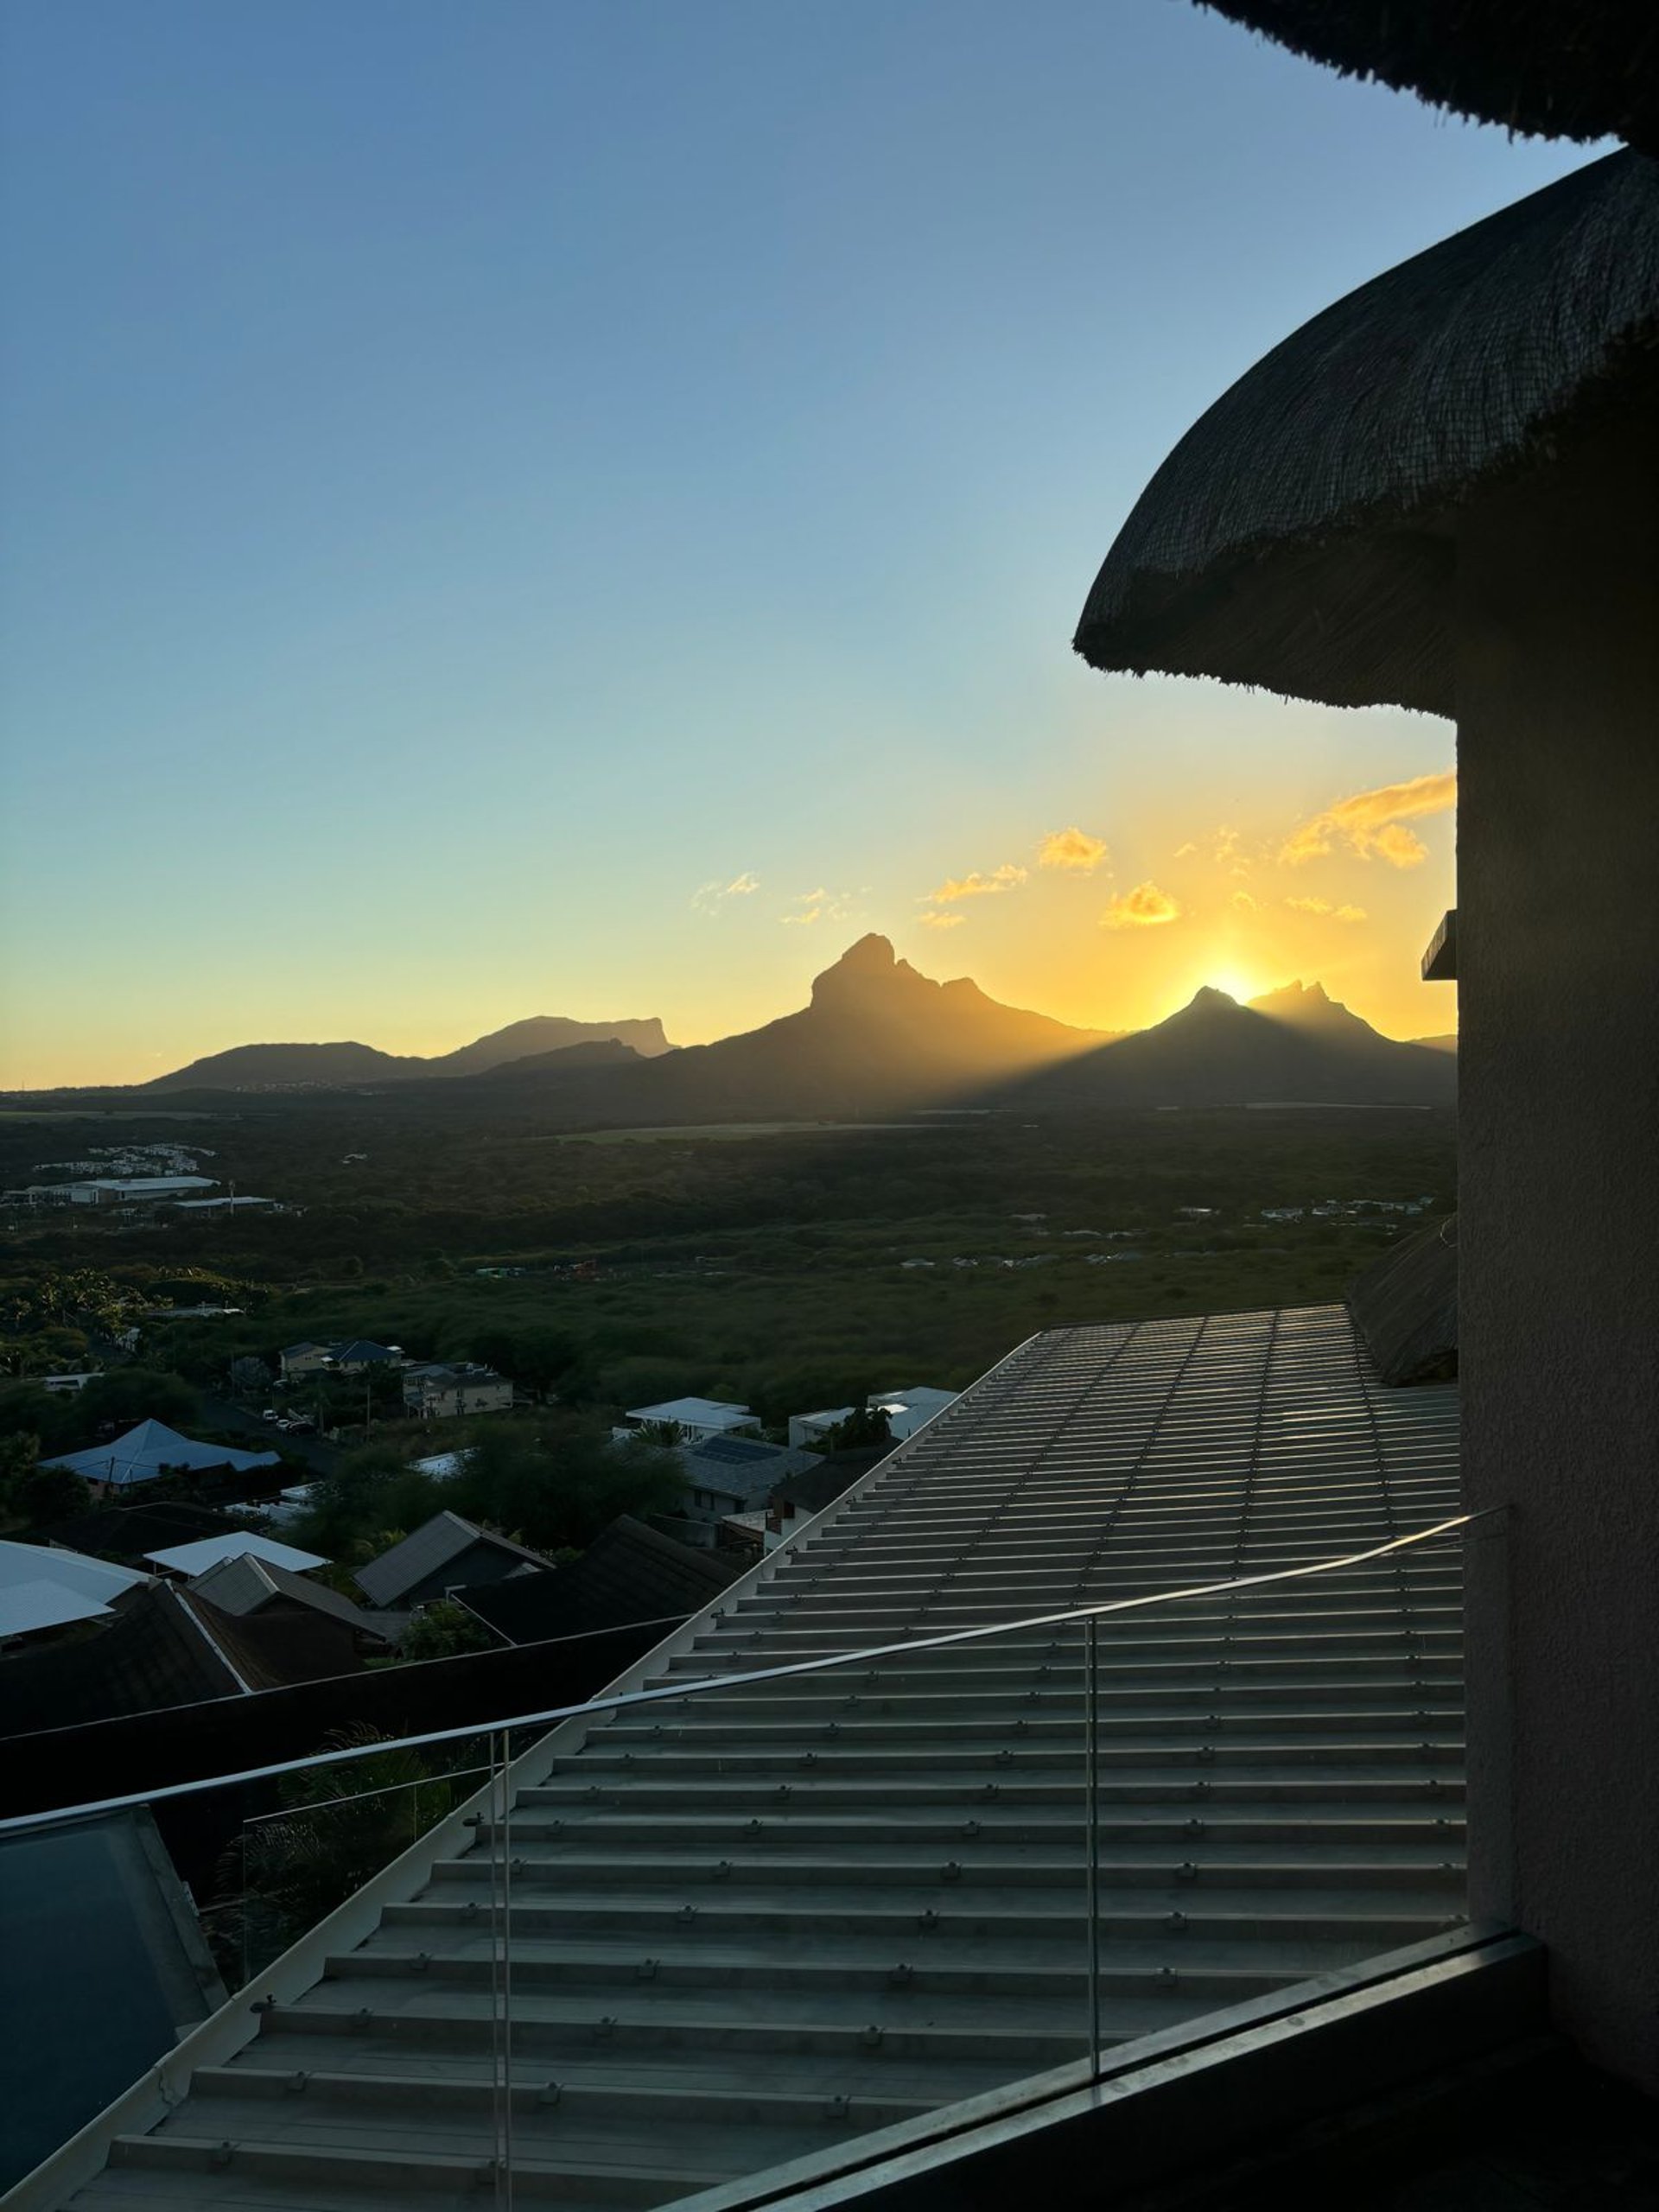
152,1654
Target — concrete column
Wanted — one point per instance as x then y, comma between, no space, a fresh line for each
1557,634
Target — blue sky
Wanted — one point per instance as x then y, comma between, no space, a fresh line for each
478,476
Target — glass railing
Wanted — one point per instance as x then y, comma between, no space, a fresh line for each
764,1913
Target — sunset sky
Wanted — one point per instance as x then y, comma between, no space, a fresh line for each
533,507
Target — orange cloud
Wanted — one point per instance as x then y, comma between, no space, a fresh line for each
1072,849
1369,821
1143,908
942,921
977,885
820,906
1243,901
1323,907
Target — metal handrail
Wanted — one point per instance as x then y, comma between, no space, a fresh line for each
706,1684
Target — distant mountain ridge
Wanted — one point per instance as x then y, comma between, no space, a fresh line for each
287,1067
880,1038
1295,1046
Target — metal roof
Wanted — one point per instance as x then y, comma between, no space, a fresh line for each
427,1551
41,1587
212,1551
147,1449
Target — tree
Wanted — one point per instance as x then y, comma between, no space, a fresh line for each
285,1873
48,1494
865,1428
250,1375
129,1395
443,1631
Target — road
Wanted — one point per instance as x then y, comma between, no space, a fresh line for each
322,1457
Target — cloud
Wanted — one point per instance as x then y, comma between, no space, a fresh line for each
1370,821
1243,901
976,885
1399,847
1323,907
1143,908
820,906
709,898
942,921
1072,849
1182,851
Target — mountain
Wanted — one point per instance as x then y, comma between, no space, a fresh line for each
1448,1044
1295,1047
878,1037
545,1033
291,1067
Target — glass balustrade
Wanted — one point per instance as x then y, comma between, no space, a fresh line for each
795,1917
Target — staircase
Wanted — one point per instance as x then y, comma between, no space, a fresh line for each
752,1926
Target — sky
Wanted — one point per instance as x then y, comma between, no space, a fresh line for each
581,507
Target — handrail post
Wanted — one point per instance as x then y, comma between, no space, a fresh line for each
1091,1822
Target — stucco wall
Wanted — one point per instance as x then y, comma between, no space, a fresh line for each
1558,677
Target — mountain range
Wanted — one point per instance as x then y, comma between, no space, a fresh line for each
289,1067
878,1037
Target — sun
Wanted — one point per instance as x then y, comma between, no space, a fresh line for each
1236,981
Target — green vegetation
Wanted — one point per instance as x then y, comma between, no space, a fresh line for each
790,1270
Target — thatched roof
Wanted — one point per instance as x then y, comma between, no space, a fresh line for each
1299,537
1576,69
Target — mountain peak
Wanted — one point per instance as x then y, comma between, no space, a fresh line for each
1306,1003
870,955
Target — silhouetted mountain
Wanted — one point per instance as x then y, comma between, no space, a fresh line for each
1448,1044
287,1067
568,1059
548,1033
1295,1046
877,1038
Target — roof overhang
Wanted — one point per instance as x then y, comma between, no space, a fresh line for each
1302,536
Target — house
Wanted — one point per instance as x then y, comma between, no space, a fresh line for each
128,1190
153,1449
729,1474
444,1553
437,1391
187,1562
630,1572
246,1584
299,1360
43,1587
694,1418
906,1411
355,1356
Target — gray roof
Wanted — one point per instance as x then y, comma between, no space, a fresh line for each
247,1584
427,1552
741,1467
1284,542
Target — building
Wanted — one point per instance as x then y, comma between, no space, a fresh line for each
151,1450
438,1391
728,1474
353,1356
136,1190
1439,495
694,1418
46,1587
444,1555
186,1562
906,1411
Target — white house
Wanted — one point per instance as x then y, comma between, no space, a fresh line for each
438,1391
906,1411
697,1419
